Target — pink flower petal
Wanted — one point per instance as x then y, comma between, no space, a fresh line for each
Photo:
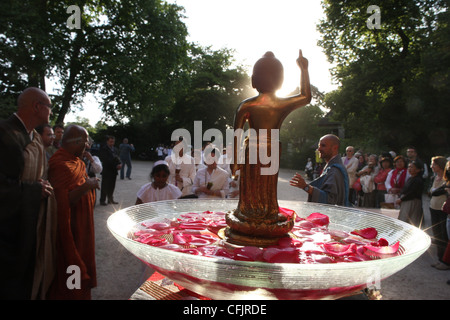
281,255
156,225
380,243
367,233
384,249
318,219
304,224
321,258
289,242
286,212
180,239
339,249
248,253
223,253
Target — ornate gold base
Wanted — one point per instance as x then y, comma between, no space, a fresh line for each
252,231
239,239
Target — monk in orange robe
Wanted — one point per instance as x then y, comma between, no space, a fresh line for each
75,196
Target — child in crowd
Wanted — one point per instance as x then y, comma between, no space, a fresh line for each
158,189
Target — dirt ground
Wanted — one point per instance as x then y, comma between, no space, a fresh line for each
119,273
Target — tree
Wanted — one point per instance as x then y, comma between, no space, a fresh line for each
131,53
300,132
387,94
213,92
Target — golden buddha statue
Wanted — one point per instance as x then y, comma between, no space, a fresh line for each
257,219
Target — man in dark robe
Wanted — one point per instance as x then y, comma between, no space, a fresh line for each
75,195
23,196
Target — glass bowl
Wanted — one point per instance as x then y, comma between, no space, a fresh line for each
217,278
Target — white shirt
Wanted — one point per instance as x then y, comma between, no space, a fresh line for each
187,172
149,194
351,166
224,165
94,166
218,178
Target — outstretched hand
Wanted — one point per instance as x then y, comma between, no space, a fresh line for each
298,181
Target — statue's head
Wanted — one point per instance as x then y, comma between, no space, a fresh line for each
268,74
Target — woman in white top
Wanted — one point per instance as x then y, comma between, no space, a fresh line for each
212,181
158,189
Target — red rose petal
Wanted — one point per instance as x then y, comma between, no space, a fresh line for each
304,224
156,225
318,219
384,249
248,253
289,242
197,233
321,258
367,233
286,212
339,249
380,243
281,255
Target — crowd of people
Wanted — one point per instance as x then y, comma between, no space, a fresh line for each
189,173
48,186
399,182
49,180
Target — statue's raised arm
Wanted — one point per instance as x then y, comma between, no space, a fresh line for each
305,86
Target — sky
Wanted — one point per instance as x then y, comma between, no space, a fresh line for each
251,28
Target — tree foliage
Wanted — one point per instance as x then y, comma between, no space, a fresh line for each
393,80
213,92
134,56
129,52
300,131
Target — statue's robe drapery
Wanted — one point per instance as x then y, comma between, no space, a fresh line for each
75,233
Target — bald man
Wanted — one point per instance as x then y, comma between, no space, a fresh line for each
75,195
332,185
26,201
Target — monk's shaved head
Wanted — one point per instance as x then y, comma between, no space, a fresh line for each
73,133
75,139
